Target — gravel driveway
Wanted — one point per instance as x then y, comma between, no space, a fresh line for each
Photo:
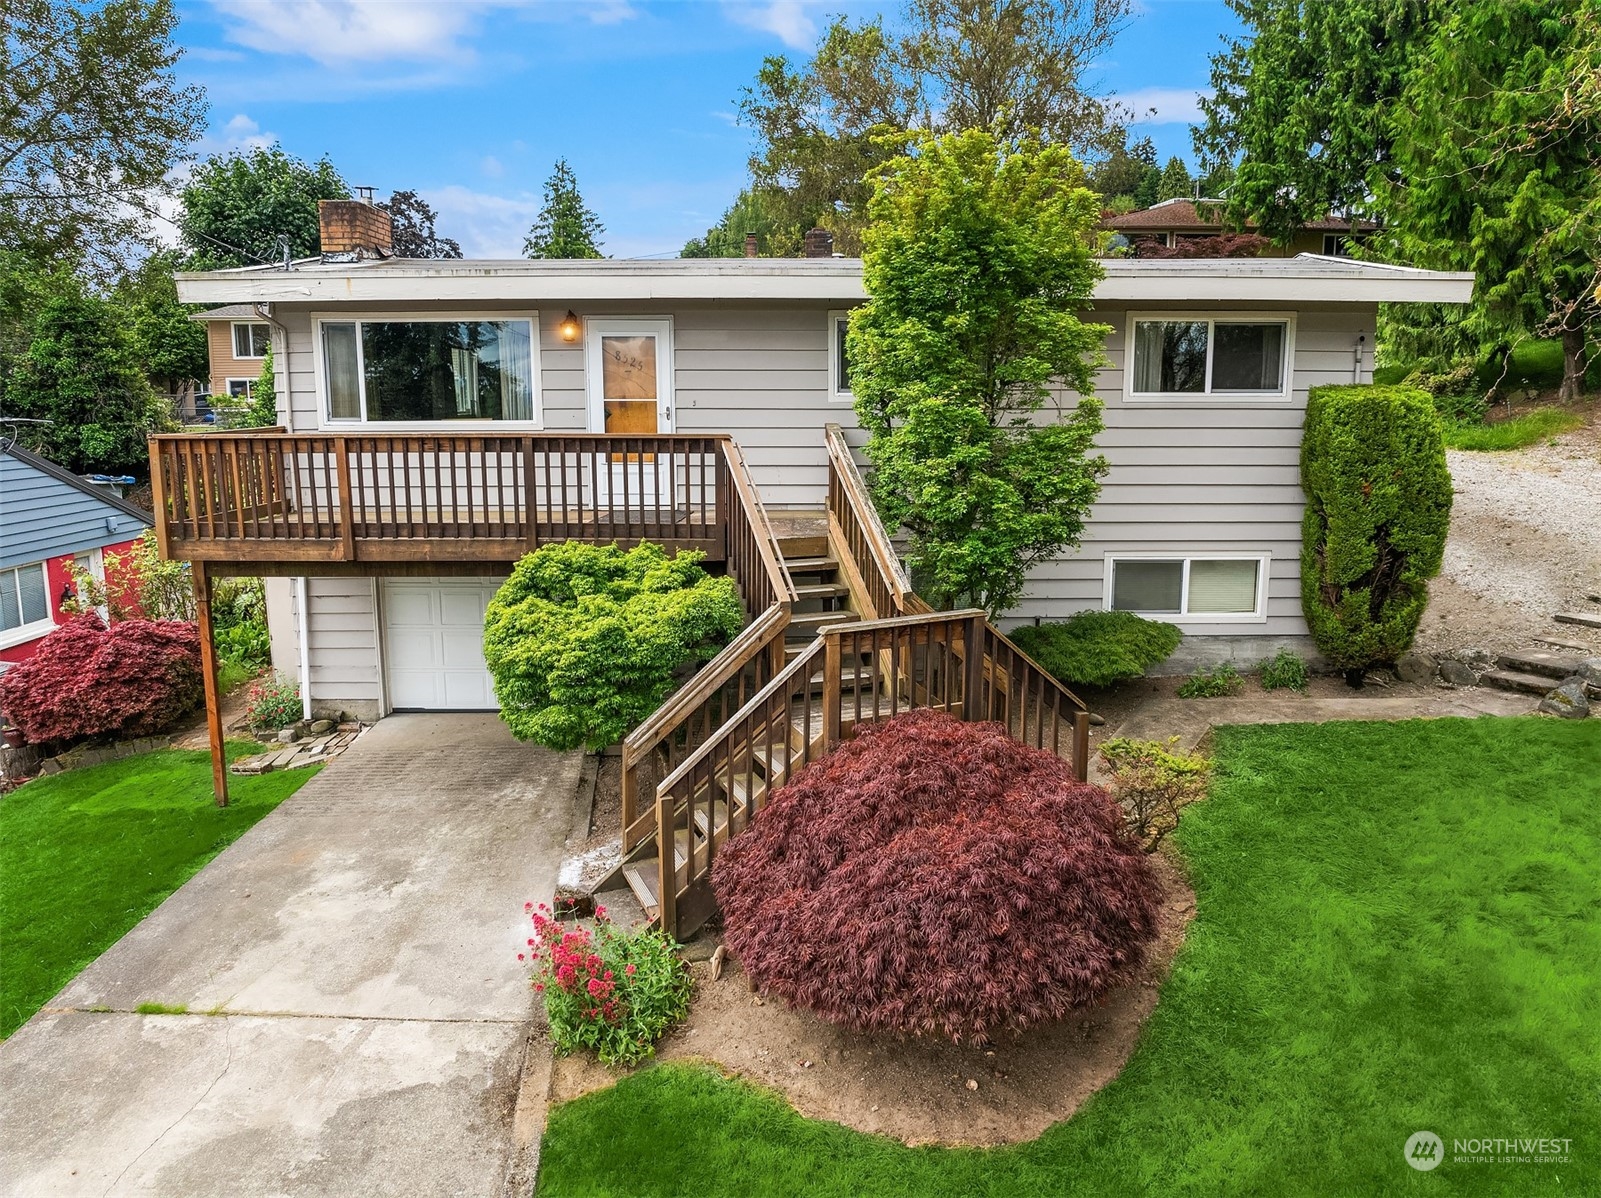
1525,543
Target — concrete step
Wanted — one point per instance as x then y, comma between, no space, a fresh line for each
641,878
1585,619
623,909
1514,680
1538,661
1557,642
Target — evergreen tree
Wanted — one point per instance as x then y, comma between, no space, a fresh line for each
1175,183
565,226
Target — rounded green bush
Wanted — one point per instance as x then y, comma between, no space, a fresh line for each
1098,648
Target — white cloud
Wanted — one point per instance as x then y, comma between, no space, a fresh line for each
488,226
788,20
1172,105
240,133
492,166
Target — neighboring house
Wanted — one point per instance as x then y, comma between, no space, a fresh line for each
465,389
237,339
1173,221
49,518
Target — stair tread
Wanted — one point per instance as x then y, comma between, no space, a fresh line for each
822,590
1584,619
811,565
1515,680
823,617
641,878
1540,661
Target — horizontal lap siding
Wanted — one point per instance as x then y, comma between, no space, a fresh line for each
342,635
42,517
1188,478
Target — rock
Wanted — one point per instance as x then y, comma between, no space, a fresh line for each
349,726
1590,670
701,948
1567,700
1458,673
717,961
1096,719
972,1084
1479,659
289,735
1416,667
318,727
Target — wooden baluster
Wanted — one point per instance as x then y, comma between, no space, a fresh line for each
666,875
347,517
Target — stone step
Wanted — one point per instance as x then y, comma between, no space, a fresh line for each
1513,680
1537,661
1585,619
623,909
1557,642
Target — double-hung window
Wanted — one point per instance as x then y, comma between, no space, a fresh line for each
1185,356
1188,588
24,604
251,340
429,369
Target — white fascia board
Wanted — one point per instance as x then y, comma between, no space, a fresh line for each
1423,288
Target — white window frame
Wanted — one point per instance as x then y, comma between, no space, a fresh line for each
1264,562
1285,394
835,393
250,387
23,633
327,422
233,332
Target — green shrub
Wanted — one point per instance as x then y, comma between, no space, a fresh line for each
1467,408
273,703
614,993
1284,669
1212,684
1098,648
1378,507
1152,781
585,641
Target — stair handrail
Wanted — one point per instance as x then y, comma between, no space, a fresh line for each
848,496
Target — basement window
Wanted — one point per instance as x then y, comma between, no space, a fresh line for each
1193,588
1187,356
432,370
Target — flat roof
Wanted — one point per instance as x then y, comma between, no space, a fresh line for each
1306,278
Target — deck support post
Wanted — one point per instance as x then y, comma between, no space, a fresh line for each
1081,745
208,669
833,697
973,668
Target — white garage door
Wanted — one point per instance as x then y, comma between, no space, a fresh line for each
434,643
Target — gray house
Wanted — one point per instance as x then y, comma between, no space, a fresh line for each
1205,387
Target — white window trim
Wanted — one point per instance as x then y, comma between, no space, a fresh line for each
1285,394
228,383
23,633
485,427
1259,616
233,334
835,395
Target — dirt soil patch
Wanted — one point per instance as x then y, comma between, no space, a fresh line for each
916,1090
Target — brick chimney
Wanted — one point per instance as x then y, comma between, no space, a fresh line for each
750,246
819,244
351,230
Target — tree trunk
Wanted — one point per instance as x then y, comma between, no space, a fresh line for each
1354,678
1573,364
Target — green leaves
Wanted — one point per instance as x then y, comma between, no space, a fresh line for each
978,260
565,226
235,206
585,641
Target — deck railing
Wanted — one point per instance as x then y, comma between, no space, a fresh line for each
340,497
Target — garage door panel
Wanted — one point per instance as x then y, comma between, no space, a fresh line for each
433,643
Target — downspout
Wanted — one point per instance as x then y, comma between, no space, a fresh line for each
1361,340
303,637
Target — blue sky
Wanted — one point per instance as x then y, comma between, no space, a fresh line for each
470,102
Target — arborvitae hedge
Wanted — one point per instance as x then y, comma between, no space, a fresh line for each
1378,507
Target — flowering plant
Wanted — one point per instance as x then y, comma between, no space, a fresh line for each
273,704
609,991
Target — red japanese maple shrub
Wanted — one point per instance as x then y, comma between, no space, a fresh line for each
936,877
132,679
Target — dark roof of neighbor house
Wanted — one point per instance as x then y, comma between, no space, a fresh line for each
229,312
1205,214
62,474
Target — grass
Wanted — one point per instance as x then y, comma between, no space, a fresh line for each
1399,929
1528,429
87,854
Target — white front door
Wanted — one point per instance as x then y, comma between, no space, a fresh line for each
628,370
433,632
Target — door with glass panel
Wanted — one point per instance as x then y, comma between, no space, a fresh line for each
628,367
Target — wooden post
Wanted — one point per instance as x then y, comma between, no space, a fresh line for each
158,496
208,668
973,683
1081,745
833,667
666,867
347,518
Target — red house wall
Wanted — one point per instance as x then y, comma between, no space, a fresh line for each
57,583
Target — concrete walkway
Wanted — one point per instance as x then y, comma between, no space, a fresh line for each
359,1019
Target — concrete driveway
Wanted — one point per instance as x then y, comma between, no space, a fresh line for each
358,1017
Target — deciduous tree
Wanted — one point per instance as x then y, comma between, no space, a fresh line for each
236,206
566,227
414,235
763,212
979,256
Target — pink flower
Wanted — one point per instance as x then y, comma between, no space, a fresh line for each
520,957
629,970
600,912
528,906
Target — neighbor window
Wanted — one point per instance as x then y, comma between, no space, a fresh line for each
241,388
839,365
24,600
1339,245
251,340
1200,356
425,370
1195,587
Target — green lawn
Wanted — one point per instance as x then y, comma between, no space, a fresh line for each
1528,429
87,854
1399,929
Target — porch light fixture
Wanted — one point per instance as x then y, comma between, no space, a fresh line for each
569,326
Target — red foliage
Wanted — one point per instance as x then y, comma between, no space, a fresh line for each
132,679
1224,245
937,877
